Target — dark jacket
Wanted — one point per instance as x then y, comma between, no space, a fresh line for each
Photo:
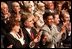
27,36
10,40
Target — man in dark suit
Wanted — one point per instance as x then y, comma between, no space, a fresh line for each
28,30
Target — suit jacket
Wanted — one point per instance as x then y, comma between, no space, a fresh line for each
52,34
27,36
4,26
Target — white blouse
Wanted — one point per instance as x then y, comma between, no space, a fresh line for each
17,36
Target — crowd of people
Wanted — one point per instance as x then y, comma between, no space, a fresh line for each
35,24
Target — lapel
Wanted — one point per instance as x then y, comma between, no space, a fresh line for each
27,35
34,32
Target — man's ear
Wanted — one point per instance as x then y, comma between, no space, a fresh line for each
24,23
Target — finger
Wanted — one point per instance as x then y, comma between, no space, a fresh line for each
10,46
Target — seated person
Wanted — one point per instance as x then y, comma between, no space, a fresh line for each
50,31
29,30
15,39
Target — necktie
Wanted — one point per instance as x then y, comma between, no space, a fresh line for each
32,35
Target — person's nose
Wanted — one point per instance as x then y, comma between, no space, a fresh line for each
52,20
32,21
58,19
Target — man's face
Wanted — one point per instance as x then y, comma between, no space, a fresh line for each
49,20
59,7
5,9
29,22
51,5
56,19
16,28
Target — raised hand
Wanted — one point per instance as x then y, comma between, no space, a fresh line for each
10,46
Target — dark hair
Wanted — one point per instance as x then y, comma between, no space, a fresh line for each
65,5
46,14
25,16
12,23
55,14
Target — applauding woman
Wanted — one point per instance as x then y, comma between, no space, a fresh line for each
15,39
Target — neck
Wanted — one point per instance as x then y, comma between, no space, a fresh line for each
28,27
17,12
49,26
14,31
67,21
56,24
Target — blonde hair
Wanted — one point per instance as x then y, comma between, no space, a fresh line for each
14,3
25,16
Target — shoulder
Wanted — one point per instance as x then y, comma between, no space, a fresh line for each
54,25
8,36
34,30
45,27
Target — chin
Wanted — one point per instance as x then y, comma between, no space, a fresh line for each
51,24
17,30
32,26
57,23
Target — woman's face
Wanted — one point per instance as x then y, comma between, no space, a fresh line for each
67,17
42,8
16,28
59,6
16,7
50,5
32,6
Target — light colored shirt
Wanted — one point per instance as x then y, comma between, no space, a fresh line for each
21,39
28,30
51,34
